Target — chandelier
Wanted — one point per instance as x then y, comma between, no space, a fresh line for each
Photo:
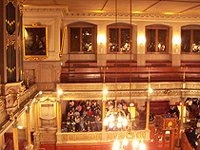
116,119
137,144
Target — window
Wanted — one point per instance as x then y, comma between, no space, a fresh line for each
119,38
157,38
190,39
82,38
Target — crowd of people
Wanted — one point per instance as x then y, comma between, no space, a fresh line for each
87,115
82,116
193,136
192,133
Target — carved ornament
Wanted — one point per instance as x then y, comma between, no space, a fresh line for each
92,137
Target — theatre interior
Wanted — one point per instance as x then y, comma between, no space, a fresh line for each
100,75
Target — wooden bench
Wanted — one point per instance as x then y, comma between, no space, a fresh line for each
190,63
158,63
125,71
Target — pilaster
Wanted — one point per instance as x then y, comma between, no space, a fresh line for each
15,136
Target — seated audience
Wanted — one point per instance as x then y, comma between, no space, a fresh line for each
82,116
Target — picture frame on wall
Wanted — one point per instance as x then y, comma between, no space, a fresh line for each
35,42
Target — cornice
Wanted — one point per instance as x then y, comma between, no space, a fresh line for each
136,16
41,11
62,11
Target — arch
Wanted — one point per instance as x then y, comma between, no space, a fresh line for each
161,26
81,24
191,26
120,24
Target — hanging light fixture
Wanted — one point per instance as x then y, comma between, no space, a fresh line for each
116,118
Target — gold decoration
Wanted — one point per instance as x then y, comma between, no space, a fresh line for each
10,70
10,23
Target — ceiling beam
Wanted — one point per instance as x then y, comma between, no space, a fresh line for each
104,5
189,8
152,5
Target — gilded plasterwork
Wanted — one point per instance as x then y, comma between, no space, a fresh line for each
47,110
98,136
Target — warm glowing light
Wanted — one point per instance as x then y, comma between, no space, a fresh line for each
120,119
176,40
105,122
20,127
40,92
98,11
137,12
119,125
125,122
150,90
131,104
141,40
169,13
25,34
116,145
135,143
101,39
125,142
60,92
142,146
112,118
105,92
111,125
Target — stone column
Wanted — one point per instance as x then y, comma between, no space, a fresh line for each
28,129
15,136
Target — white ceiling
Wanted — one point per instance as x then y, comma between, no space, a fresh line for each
145,6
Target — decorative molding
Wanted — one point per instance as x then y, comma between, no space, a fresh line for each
135,17
93,137
47,110
40,11
62,11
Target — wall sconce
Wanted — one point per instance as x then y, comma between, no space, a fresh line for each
105,92
176,43
101,39
141,40
60,92
150,90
